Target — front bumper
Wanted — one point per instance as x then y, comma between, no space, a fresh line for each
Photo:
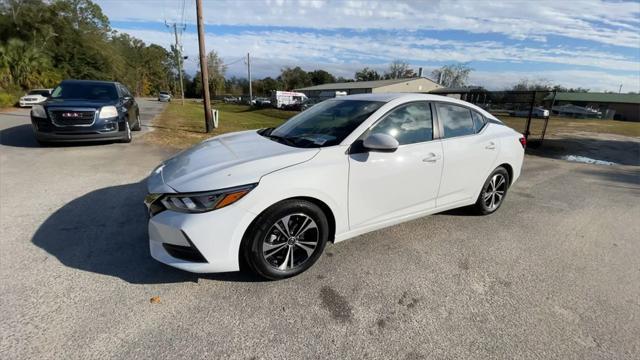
216,235
23,103
100,130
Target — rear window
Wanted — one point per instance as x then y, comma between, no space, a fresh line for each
85,91
456,120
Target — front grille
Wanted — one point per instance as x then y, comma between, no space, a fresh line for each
72,117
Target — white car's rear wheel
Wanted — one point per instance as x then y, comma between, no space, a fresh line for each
286,239
493,192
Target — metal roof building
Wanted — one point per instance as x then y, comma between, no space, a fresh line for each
612,106
418,84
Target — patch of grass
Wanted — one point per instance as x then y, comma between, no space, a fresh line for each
182,126
562,125
9,97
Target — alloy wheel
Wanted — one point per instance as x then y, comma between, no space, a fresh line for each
494,192
290,242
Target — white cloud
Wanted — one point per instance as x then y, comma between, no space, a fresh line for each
343,55
282,33
606,22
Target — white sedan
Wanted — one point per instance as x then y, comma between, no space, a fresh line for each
272,198
35,96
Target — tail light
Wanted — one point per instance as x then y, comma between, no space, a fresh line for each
523,142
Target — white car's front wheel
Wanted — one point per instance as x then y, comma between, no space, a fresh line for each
286,239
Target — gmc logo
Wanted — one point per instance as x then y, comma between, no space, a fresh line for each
71,115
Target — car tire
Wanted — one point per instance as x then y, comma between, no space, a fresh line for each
286,239
127,133
494,191
138,125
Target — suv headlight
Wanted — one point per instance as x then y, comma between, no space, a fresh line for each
38,111
108,112
205,201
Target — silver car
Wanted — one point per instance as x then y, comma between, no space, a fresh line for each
164,96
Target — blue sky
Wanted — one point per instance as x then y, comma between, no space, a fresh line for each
587,43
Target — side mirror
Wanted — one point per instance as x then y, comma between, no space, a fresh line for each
126,98
381,142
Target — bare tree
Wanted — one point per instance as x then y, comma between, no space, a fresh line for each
399,69
452,75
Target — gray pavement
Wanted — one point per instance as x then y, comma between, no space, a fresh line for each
554,274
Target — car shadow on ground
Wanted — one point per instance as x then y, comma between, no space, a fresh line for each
22,136
623,152
105,232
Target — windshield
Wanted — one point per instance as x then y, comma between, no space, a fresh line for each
88,91
325,124
164,93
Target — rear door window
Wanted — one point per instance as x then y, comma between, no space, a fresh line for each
456,120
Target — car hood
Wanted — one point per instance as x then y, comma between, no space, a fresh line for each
79,103
225,161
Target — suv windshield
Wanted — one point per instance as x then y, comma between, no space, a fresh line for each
88,91
325,124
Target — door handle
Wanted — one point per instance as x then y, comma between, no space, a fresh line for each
431,158
491,146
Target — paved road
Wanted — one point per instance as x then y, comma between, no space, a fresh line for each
554,274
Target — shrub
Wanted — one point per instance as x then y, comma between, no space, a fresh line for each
7,99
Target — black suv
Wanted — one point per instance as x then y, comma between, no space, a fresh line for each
86,110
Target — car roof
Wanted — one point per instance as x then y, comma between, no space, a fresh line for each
406,97
89,81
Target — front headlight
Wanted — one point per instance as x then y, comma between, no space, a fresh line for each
205,201
108,112
38,111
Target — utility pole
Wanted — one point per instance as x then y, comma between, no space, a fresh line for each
204,71
249,74
179,50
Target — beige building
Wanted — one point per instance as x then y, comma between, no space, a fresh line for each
412,85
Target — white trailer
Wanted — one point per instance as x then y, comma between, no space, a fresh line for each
282,99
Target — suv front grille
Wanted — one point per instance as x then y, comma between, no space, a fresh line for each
64,117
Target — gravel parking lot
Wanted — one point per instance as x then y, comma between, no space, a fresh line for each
554,274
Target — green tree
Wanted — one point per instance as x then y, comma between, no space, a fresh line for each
319,77
367,74
216,69
294,78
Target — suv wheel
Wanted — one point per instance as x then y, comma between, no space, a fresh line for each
286,239
127,137
137,126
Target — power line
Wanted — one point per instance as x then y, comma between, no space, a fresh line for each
236,61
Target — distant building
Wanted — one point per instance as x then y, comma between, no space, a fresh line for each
606,105
412,85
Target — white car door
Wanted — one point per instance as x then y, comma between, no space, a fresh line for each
469,153
388,185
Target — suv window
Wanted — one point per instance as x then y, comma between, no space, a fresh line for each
409,124
125,91
456,120
478,120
